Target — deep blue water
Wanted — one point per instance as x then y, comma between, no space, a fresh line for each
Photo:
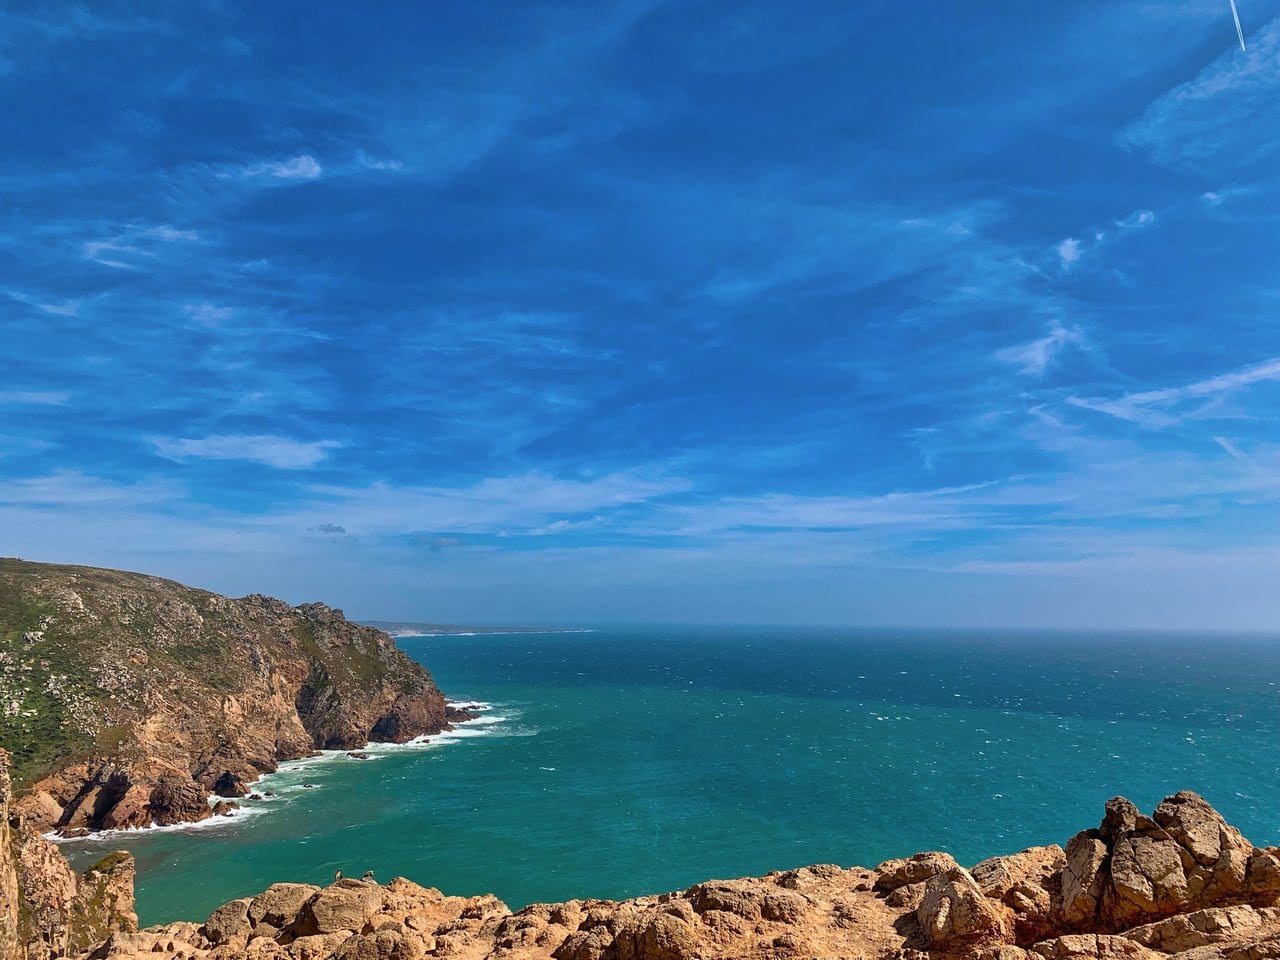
617,763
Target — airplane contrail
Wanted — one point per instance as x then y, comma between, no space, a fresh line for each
1239,32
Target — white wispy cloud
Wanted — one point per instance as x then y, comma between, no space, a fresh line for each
208,315
375,163
40,398
301,167
135,245
1229,447
280,452
113,253
174,235
1034,358
1220,115
1072,249
1154,408
1136,220
68,308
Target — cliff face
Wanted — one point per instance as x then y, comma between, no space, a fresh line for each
47,910
127,699
1179,884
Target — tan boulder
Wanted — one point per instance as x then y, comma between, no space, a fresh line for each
344,905
898,873
279,904
1148,878
955,913
1093,946
730,896
1024,882
320,946
1262,876
39,810
654,936
228,921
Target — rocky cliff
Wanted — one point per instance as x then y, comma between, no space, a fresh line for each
1181,883
46,909
128,699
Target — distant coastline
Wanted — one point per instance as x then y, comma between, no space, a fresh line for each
404,628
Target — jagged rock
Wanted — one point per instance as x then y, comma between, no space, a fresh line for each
46,909
728,896
954,912
229,785
897,873
133,809
1082,879
178,800
1024,882
1262,875
908,896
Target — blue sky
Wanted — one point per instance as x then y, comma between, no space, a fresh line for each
875,313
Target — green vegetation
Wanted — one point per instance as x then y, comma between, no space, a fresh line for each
85,654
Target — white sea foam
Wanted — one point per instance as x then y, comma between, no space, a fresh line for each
103,836
289,777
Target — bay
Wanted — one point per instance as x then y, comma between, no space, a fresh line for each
615,763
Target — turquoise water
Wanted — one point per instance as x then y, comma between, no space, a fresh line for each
615,763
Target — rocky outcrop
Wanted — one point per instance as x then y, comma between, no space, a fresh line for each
1180,884
46,909
128,699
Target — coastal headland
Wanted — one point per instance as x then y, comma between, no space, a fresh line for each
127,700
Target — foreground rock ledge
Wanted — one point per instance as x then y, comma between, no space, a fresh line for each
1180,883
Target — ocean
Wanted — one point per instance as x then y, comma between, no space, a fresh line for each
621,762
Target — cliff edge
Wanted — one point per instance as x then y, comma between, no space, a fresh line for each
46,909
127,699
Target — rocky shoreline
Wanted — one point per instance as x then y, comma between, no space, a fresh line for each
129,699
1181,883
